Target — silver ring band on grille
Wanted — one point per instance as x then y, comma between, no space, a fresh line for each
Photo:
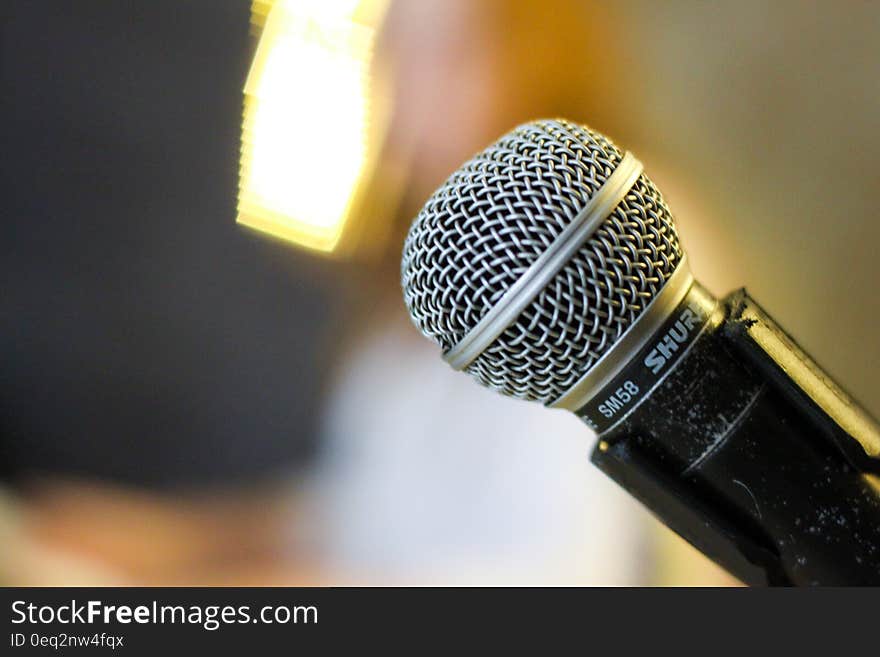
631,342
544,269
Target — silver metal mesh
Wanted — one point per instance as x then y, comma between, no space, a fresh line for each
494,216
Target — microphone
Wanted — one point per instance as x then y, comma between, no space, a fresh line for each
548,267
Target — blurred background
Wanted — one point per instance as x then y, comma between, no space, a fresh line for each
208,375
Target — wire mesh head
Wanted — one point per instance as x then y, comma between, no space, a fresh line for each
495,216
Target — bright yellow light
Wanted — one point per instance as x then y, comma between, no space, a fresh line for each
306,132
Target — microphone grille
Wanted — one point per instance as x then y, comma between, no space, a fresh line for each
495,216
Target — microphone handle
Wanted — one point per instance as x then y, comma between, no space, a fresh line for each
752,454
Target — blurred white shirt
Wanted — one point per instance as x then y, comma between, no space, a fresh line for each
429,478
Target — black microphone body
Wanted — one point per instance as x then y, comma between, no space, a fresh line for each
750,452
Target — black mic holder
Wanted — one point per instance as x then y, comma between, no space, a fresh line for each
753,455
